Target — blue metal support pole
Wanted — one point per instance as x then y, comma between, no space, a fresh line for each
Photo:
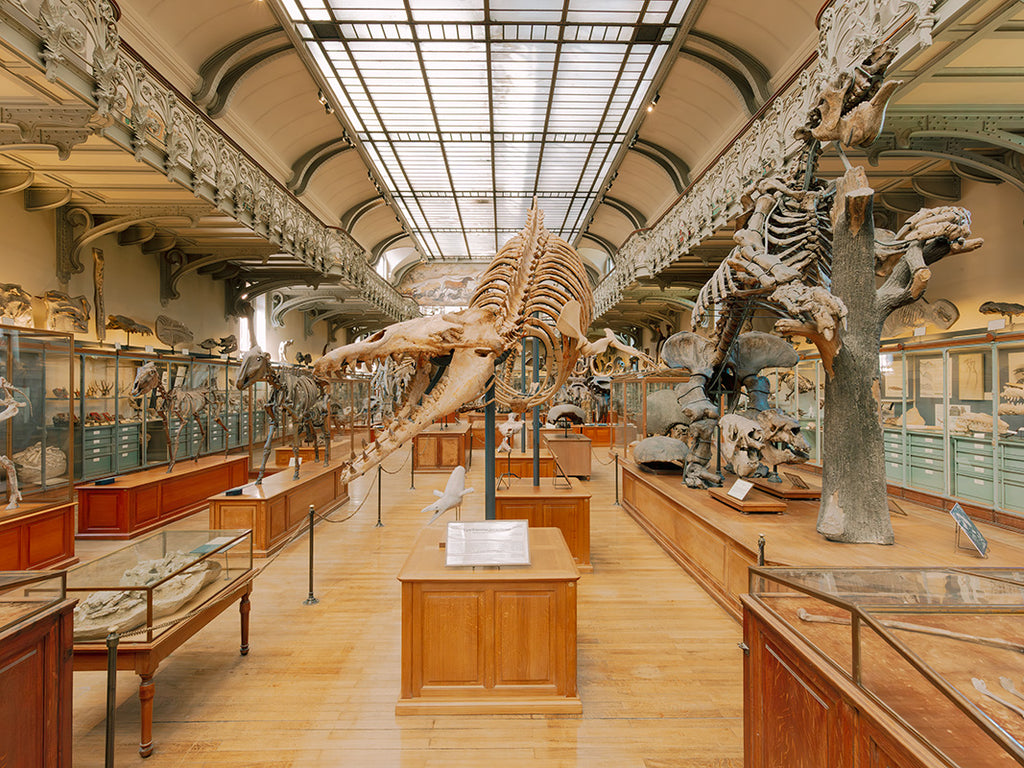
489,448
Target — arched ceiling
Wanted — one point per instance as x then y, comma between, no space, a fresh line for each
256,73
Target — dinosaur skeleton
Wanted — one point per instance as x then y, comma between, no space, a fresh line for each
294,392
10,408
180,402
535,289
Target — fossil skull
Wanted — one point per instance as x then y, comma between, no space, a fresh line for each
783,441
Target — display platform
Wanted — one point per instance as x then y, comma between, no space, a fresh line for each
547,506
787,489
442,447
716,544
37,536
142,501
521,464
754,503
341,450
203,573
278,507
489,640
572,453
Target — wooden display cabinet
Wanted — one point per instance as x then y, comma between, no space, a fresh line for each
850,667
547,506
489,640
35,673
442,448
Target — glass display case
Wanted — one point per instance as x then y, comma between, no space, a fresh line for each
35,419
628,412
23,594
117,433
938,649
155,580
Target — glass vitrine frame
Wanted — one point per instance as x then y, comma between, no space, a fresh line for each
232,550
38,364
890,607
24,594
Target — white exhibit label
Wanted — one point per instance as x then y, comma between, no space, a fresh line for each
920,331
740,489
997,325
488,542
149,349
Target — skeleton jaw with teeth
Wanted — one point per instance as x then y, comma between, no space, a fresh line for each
783,441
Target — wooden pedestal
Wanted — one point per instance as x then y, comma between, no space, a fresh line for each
489,640
521,464
139,502
37,536
572,452
441,448
35,677
545,506
144,657
754,503
278,507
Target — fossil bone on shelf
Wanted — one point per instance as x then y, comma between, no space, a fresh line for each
534,288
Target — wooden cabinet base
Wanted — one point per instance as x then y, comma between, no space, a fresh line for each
521,464
35,676
279,506
441,448
38,536
754,503
341,450
546,506
489,640
572,453
140,502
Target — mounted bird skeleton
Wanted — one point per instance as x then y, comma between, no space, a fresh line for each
534,288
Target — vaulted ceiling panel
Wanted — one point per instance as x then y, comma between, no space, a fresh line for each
770,32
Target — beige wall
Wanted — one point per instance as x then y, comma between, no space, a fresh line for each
131,285
992,273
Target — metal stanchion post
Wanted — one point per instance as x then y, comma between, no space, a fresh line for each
379,523
616,479
311,599
112,640
760,548
412,466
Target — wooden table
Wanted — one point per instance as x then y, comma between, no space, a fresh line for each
142,501
279,506
144,657
489,640
547,506
572,453
441,448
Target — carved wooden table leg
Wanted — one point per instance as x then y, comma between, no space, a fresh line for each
243,609
146,692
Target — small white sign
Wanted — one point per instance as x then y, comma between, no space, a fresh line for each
149,349
292,460
740,489
997,325
920,331
223,357
184,351
117,345
488,542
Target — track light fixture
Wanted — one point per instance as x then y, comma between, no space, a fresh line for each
650,107
321,98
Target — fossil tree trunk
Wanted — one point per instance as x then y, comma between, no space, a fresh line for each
854,504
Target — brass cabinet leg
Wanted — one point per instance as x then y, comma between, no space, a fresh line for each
146,691
243,609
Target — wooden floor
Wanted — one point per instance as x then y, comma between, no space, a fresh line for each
660,674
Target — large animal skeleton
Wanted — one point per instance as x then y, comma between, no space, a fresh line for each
535,288
182,403
11,406
294,392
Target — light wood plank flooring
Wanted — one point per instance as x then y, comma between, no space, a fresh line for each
660,674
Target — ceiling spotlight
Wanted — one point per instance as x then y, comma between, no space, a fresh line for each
321,98
328,109
650,107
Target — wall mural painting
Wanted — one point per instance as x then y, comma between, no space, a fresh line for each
449,285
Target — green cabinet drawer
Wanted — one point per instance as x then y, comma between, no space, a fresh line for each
128,460
926,441
92,451
894,470
927,462
927,479
974,488
97,465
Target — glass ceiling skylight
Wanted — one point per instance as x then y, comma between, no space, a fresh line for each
470,108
